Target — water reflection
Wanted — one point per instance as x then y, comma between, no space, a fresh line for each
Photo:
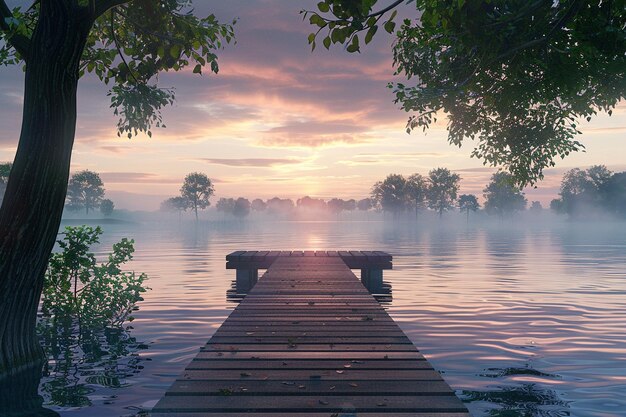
524,400
546,295
79,363
19,395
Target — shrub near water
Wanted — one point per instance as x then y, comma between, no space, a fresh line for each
83,327
80,291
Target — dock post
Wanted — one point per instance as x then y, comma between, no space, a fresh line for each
246,278
372,279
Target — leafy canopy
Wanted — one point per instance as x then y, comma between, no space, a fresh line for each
390,193
443,189
129,44
502,196
85,190
585,191
197,189
514,76
468,202
106,207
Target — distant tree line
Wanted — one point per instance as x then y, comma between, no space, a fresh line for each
241,207
438,191
596,189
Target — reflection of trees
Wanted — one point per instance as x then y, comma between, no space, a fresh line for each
524,400
78,361
19,396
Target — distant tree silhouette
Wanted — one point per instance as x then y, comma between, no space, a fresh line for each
280,205
535,207
556,205
502,196
85,191
178,204
390,194
241,207
225,205
365,204
336,205
258,205
106,207
467,203
416,190
313,204
615,193
442,190
197,190
583,189
349,205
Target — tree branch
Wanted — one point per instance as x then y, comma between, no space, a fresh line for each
119,50
21,43
571,12
386,9
103,6
142,29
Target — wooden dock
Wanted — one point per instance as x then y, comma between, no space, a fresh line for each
309,340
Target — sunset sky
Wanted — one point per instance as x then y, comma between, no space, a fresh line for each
279,120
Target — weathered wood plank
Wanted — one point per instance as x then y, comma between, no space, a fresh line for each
316,340
294,330
313,375
307,364
309,414
300,403
285,347
308,387
234,256
310,355
260,256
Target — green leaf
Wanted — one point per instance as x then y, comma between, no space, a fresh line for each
390,26
327,42
197,69
323,7
354,45
317,20
370,34
175,51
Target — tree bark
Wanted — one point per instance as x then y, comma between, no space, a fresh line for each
31,211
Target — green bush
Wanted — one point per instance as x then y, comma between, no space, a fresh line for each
80,291
85,306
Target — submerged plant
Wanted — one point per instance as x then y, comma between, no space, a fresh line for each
85,309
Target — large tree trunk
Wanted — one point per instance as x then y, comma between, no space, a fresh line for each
31,211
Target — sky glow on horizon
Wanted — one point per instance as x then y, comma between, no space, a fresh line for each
280,120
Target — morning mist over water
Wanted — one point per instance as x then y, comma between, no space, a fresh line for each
523,314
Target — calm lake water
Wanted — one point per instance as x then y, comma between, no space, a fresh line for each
520,320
